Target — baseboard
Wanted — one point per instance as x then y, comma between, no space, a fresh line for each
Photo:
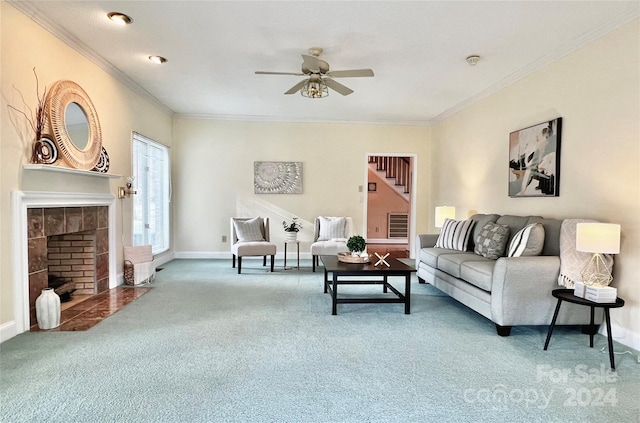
622,335
7,331
227,255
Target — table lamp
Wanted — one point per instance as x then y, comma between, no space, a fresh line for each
443,213
597,238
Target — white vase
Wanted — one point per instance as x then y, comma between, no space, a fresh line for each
48,309
291,236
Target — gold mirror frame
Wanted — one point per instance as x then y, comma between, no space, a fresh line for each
61,94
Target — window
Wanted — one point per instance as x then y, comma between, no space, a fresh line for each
151,203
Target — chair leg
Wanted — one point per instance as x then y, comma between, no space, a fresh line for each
272,260
239,264
233,261
264,261
313,263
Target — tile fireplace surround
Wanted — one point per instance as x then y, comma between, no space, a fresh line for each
40,214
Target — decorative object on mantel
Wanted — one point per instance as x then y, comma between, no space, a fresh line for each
534,160
103,162
277,177
41,151
74,125
291,229
48,309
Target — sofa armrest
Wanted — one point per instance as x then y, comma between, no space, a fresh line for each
521,290
426,240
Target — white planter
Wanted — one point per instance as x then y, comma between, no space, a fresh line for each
48,309
291,236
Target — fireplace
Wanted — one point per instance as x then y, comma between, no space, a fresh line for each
71,243
70,235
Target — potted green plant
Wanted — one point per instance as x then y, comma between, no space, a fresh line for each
291,228
356,245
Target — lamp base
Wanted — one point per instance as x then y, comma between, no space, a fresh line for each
596,272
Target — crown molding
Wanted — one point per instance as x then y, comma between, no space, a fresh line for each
31,11
256,118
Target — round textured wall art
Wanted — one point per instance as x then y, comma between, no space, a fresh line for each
277,177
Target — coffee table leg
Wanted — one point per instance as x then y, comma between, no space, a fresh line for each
609,338
326,279
384,284
334,294
553,323
407,294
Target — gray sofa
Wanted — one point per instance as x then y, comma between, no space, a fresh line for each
510,291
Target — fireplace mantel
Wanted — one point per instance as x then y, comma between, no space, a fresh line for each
23,200
60,169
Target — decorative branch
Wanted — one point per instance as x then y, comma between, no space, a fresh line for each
37,122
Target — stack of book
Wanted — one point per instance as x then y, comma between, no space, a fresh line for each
597,294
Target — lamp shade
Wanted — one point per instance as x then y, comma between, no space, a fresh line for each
442,213
601,238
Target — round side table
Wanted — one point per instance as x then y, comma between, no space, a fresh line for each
567,295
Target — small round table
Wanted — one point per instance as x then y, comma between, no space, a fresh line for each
567,295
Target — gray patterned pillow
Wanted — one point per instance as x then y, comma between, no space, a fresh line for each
492,240
249,230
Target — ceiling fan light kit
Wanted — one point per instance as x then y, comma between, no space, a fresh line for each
473,60
320,77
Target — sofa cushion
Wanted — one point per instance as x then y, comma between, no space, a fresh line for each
455,234
478,273
249,230
450,263
491,241
430,255
528,241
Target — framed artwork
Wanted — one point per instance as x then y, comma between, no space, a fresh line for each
534,160
372,187
277,177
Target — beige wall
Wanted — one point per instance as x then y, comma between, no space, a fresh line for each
213,175
596,90
26,45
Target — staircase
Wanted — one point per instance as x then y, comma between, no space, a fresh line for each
396,171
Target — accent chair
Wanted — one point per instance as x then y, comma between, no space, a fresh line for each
250,237
330,237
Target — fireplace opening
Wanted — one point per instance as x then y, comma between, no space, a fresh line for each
68,251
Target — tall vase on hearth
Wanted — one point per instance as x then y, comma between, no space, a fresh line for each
48,309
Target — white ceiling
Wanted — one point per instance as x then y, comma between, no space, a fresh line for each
417,50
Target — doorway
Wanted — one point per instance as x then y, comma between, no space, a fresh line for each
390,204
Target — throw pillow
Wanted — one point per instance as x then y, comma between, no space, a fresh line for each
249,230
528,241
491,240
331,227
455,234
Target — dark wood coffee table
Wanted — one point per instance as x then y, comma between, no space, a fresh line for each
377,275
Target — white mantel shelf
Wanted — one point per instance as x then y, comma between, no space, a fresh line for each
60,169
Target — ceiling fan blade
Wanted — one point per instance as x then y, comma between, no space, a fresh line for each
279,73
336,86
311,62
296,87
355,73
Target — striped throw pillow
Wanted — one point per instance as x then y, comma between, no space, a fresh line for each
249,230
331,228
455,234
528,241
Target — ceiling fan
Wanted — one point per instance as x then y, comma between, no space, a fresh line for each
320,77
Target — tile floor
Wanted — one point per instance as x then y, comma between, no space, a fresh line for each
83,315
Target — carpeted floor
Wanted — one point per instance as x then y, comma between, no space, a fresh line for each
208,345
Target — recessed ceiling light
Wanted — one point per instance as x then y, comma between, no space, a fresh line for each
158,60
473,60
120,18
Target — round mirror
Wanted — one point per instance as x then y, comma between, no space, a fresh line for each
74,124
77,125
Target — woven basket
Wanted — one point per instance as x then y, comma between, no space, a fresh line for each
348,258
128,273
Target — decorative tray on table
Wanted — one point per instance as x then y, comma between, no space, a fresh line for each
348,258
